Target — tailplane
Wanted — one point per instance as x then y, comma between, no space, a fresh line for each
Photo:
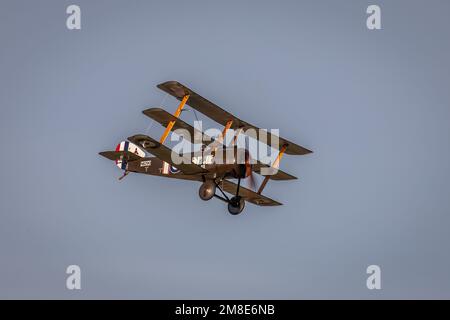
125,152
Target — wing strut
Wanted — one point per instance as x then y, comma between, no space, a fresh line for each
275,164
176,115
236,134
224,133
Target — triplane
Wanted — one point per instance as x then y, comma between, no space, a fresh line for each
201,165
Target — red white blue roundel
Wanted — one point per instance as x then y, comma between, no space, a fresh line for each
167,168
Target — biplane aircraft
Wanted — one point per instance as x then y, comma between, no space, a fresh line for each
131,155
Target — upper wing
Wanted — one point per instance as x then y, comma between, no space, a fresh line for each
164,118
221,116
165,154
248,195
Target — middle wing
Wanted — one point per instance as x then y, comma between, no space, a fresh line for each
164,118
165,154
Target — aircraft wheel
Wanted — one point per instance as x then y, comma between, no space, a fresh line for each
236,205
207,190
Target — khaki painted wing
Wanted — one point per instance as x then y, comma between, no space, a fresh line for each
155,167
221,116
247,194
164,118
166,154
276,175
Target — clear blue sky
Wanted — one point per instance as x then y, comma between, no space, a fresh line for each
373,105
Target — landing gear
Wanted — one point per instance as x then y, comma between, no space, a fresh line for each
207,190
236,205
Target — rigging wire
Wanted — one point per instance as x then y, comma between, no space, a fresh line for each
152,122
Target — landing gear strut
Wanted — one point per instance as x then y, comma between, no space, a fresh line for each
236,204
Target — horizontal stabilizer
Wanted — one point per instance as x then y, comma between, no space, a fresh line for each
119,155
165,154
221,116
247,194
164,118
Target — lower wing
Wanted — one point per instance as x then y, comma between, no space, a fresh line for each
247,194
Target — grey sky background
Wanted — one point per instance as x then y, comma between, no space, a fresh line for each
373,105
